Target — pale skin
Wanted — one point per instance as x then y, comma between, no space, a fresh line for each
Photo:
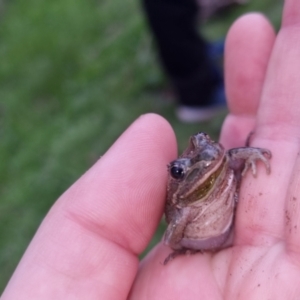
88,245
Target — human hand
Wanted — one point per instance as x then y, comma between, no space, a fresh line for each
87,247
262,81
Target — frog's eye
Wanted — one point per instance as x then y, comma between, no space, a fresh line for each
177,172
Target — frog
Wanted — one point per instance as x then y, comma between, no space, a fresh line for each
202,194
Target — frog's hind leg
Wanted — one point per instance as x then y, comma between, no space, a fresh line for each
176,253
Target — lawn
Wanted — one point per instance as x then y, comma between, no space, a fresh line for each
73,75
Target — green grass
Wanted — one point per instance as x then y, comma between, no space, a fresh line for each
73,75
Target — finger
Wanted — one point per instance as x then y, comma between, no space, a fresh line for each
262,214
291,13
287,123
279,113
86,247
248,48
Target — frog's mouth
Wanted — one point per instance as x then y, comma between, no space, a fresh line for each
203,190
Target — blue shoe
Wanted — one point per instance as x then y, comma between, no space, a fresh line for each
216,49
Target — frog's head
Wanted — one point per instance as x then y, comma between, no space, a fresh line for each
194,173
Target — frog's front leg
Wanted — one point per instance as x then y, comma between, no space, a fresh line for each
175,232
250,155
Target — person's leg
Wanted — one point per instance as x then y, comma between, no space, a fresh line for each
183,52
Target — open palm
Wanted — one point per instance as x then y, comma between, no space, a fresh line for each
88,245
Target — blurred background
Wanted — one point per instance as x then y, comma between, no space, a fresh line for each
73,75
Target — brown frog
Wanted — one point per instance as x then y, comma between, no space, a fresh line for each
202,193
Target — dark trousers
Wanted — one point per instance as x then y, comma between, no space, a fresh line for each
182,51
